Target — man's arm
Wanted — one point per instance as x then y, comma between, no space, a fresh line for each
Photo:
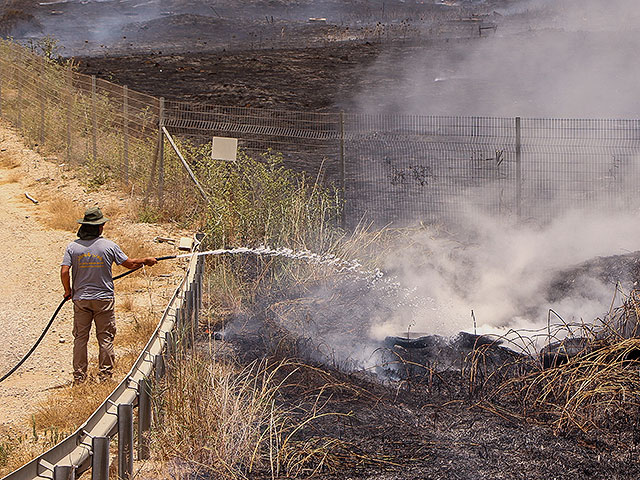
138,262
65,278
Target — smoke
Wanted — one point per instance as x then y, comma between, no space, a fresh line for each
558,59
503,272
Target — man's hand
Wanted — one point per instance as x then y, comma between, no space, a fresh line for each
139,262
65,278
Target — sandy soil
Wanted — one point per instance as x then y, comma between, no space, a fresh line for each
30,288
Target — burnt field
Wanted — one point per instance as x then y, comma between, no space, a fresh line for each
445,408
316,79
305,56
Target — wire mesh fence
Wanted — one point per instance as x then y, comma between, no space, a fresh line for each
391,169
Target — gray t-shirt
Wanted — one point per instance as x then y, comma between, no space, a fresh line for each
90,262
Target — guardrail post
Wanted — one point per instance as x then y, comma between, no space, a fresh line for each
144,418
100,458
125,441
159,367
178,323
196,301
188,297
64,472
170,350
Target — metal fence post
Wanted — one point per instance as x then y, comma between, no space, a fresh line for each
518,168
64,472
144,418
100,458
70,98
342,172
19,86
42,119
94,119
161,154
125,128
42,102
125,440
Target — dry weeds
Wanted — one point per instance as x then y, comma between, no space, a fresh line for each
236,412
63,213
71,405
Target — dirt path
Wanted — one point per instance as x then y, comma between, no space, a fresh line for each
29,280
29,293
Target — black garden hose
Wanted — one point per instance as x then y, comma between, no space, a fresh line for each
168,257
35,345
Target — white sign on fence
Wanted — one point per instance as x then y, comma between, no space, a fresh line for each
223,148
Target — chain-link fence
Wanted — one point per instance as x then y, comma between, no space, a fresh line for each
392,169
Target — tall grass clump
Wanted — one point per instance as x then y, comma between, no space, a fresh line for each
224,421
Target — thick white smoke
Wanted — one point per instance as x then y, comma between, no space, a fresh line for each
503,272
556,59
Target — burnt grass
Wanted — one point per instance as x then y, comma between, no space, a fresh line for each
315,79
435,426
420,421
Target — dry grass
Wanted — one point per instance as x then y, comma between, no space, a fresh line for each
596,387
226,422
70,406
126,303
62,213
134,247
585,393
8,161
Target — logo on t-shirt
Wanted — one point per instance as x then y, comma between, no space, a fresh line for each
90,260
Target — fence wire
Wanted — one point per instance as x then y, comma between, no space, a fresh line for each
391,169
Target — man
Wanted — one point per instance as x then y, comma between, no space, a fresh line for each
90,259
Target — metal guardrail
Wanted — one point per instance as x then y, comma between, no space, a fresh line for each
88,446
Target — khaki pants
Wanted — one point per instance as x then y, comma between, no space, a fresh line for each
103,314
